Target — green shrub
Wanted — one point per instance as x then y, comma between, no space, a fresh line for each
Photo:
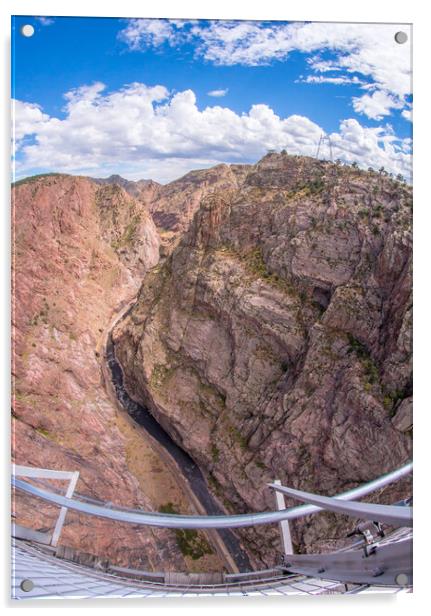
361,351
392,398
190,542
238,437
215,452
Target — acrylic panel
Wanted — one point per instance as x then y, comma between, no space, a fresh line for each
212,307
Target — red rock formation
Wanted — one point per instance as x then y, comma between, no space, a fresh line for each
173,205
276,339
79,250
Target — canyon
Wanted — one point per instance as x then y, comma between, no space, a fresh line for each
270,338
80,251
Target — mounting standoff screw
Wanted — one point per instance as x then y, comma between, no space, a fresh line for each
400,37
27,30
401,579
27,585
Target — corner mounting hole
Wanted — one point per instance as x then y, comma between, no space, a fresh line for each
400,37
27,30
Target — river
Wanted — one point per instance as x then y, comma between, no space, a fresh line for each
183,460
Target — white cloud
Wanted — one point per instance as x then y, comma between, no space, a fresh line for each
367,50
322,66
27,120
218,93
45,21
148,132
142,33
338,81
376,105
372,147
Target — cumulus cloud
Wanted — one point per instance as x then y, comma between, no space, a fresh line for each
322,66
218,93
367,50
27,120
376,105
372,147
153,133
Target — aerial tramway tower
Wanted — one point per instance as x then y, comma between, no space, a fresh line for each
325,141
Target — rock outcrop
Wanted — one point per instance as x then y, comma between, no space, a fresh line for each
145,190
173,205
275,341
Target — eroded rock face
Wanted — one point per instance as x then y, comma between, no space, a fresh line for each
126,226
79,250
275,342
174,205
403,418
145,190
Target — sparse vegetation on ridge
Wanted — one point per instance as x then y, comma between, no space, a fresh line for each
34,178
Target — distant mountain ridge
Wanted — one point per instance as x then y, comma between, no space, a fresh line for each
134,188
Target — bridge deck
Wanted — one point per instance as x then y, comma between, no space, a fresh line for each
53,578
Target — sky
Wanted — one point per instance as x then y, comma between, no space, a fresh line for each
153,98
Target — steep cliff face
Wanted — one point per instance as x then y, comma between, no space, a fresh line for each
275,341
79,250
128,229
175,204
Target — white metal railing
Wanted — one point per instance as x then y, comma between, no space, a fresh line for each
209,521
286,537
390,559
44,473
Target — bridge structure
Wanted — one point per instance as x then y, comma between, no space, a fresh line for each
377,559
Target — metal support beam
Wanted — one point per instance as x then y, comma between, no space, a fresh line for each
389,564
63,511
46,473
286,539
325,139
43,473
29,534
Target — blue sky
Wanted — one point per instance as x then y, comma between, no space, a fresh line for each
203,93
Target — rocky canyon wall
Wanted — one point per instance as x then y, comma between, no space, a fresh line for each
275,341
80,252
